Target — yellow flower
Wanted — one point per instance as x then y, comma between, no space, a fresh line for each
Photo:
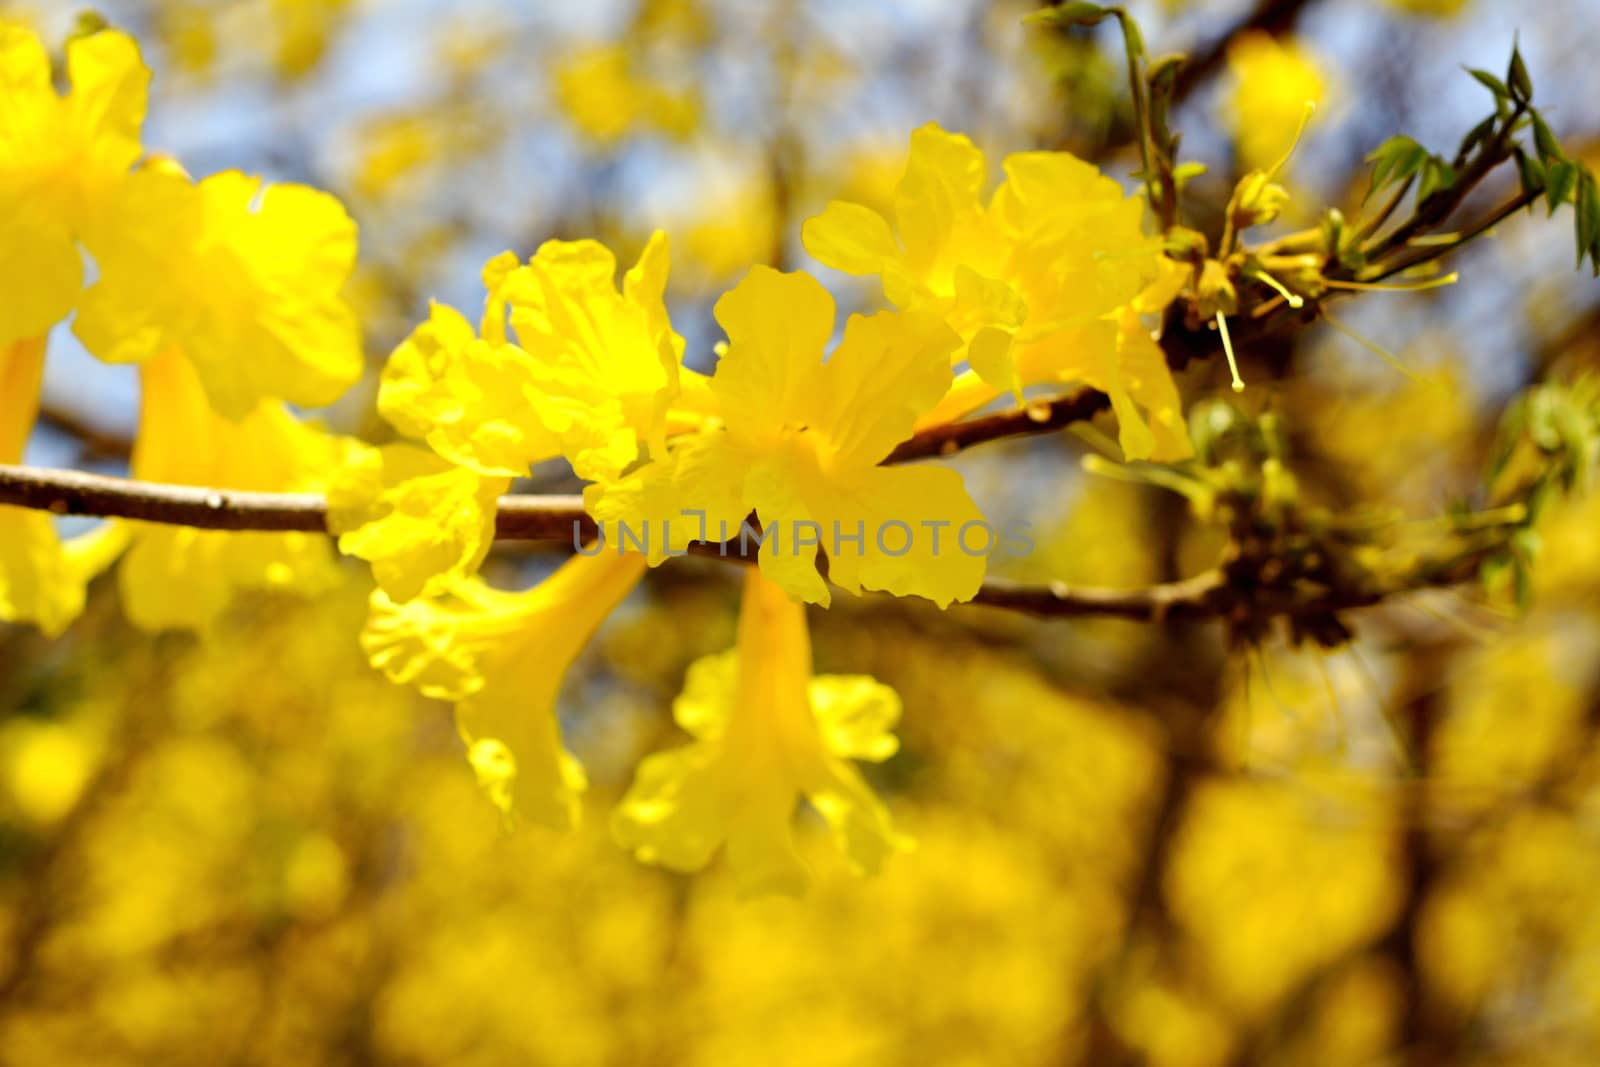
1036,281
500,656
593,376
184,578
244,280
421,521
61,160
37,583
605,97
1273,81
799,441
766,733
593,379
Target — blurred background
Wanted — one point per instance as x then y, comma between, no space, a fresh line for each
1136,845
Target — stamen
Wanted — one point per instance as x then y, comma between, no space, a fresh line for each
1294,300
1372,346
1305,117
1227,348
1392,287
1151,474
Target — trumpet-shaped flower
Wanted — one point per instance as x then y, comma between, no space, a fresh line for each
766,734
62,159
183,578
244,280
40,581
1034,280
500,657
799,441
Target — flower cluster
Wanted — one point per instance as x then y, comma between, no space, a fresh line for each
228,294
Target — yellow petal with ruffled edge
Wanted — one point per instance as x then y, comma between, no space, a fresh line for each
605,362
938,214
421,521
767,734
470,400
920,534
246,281
851,238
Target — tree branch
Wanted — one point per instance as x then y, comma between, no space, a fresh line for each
1043,417
1269,16
1208,595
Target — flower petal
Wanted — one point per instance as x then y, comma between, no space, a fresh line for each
851,238
422,522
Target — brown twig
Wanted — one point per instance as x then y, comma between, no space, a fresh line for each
557,518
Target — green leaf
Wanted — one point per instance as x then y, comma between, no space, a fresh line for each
1532,172
1544,140
1490,82
1561,180
1395,160
1517,77
1587,203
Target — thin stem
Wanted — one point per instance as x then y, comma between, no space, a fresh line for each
1367,234
1141,118
1380,271
555,518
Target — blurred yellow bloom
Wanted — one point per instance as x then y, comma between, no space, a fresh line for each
600,90
1436,8
500,656
1313,858
1037,281
735,224
799,441
421,521
304,29
244,280
44,766
1272,83
182,577
766,733
393,147
61,160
